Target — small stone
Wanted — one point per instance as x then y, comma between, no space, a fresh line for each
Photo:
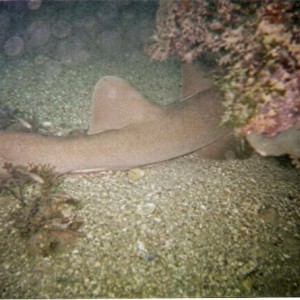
67,212
150,256
135,174
89,236
269,215
247,283
96,291
203,207
97,264
75,251
146,209
141,246
47,124
247,268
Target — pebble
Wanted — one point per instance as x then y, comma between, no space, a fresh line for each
247,283
75,251
269,215
96,291
146,209
141,246
150,256
203,207
90,236
47,124
135,174
247,268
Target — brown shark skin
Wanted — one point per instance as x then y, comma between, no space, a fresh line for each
197,77
156,133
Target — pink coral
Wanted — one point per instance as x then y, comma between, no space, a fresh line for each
258,45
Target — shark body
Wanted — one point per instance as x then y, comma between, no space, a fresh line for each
126,131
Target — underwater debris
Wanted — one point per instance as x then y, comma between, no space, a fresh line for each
45,215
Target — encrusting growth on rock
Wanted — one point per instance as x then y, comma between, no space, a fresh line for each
257,43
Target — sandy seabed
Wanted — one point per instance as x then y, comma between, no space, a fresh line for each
188,227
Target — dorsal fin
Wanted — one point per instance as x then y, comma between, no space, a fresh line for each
117,104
